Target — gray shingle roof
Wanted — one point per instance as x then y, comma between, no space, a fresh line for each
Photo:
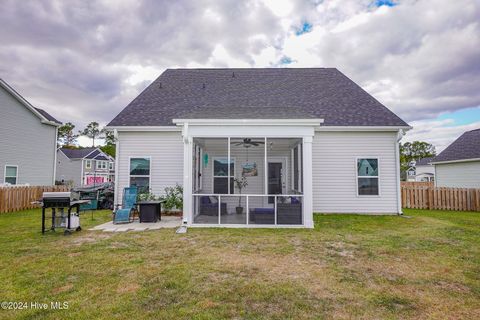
467,146
267,93
424,161
77,153
47,115
93,154
226,112
101,158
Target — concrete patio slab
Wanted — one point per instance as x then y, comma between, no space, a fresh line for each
166,222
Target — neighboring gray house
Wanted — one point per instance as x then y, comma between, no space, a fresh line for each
86,166
306,140
421,171
28,141
459,164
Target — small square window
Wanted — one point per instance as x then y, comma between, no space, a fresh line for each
11,174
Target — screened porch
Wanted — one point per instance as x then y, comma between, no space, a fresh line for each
247,181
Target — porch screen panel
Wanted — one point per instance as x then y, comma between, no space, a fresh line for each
221,177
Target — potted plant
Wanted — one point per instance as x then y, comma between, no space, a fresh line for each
173,199
240,184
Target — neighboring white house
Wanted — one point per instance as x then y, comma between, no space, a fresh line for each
306,140
86,166
28,141
459,164
421,171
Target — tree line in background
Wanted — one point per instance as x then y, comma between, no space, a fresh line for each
414,151
67,137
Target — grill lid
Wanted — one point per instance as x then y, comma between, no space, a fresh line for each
56,195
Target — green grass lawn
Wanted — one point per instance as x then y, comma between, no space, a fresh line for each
349,266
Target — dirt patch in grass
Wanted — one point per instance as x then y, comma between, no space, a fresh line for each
342,249
64,288
128,288
90,237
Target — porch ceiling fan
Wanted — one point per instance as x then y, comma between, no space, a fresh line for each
247,143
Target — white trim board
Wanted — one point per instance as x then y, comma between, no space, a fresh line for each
258,122
143,128
363,128
242,122
455,161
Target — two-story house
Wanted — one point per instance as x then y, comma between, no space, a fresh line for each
421,170
28,141
86,166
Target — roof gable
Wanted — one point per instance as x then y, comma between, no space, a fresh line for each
424,161
467,146
44,116
77,153
272,93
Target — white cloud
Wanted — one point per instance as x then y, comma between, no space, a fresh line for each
440,133
85,61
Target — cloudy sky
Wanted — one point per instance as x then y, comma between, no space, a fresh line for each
85,60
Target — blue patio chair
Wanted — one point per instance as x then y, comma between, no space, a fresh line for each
125,214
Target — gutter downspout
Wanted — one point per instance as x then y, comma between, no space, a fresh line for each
400,135
187,197
117,158
55,156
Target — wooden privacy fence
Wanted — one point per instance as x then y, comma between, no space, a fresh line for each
21,197
430,197
417,184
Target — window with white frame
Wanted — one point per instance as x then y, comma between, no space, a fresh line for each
140,174
220,175
297,159
11,174
110,165
88,164
367,177
101,164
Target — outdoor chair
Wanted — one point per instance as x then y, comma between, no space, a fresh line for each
129,199
210,208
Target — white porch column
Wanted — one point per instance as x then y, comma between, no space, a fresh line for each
307,182
187,178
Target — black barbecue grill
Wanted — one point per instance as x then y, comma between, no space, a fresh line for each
58,202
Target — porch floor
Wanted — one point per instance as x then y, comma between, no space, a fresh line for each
166,222
224,219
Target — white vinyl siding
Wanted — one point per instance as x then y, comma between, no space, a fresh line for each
165,150
458,175
334,172
334,167
25,142
69,171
